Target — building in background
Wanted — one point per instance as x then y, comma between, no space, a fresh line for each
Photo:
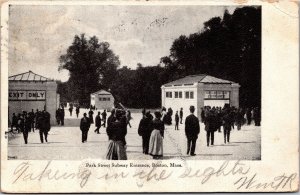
199,90
102,100
29,91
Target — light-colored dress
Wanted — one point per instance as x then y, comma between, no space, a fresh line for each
156,138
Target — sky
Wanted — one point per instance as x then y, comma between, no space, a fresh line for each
39,34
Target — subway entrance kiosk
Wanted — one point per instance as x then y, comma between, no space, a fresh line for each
29,91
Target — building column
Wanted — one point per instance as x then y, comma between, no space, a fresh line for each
200,98
163,96
234,95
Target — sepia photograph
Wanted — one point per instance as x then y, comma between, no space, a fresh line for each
149,96
134,82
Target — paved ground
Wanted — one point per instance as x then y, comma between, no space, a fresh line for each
65,144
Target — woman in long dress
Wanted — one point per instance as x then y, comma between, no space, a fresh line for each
156,138
117,133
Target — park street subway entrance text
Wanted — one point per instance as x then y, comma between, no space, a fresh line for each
126,165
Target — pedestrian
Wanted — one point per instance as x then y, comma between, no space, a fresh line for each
20,125
14,122
156,138
128,118
27,127
71,110
117,132
210,126
176,121
104,114
57,116
248,115
110,119
227,120
192,129
239,119
181,115
91,113
47,126
31,117
202,115
144,130
85,124
62,116
257,116
97,123
77,111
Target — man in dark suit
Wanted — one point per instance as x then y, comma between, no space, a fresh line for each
192,129
85,124
144,130
211,125
181,115
97,123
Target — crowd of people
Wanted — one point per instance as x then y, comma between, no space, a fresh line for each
151,128
26,122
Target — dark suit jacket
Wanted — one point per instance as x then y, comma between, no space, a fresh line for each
192,127
97,121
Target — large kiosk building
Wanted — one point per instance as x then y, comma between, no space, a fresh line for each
199,90
29,91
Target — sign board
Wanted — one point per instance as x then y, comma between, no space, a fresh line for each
33,95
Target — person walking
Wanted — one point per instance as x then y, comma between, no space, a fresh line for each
71,110
27,126
248,115
104,114
117,132
31,117
14,122
85,124
156,138
97,123
62,116
181,115
192,129
91,113
257,116
239,119
47,128
144,130
57,116
227,121
128,118
110,119
77,111
176,121
210,126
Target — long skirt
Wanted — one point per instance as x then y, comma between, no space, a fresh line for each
156,144
116,151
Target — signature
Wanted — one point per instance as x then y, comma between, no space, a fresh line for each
26,171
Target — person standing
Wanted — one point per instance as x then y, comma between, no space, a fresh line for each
71,109
104,114
91,113
227,121
128,118
40,124
257,116
47,126
14,122
62,116
210,126
248,114
20,125
27,127
181,115
110,119
239,119
31,117
192,129
176,121
77,111
97,123
144,130
116,148
156,138
57,116
85,124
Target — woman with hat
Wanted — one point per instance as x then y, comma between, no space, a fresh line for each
116,147
156,138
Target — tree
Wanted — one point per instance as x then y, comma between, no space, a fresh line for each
91,65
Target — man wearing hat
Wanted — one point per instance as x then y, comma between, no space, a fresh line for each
192,129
